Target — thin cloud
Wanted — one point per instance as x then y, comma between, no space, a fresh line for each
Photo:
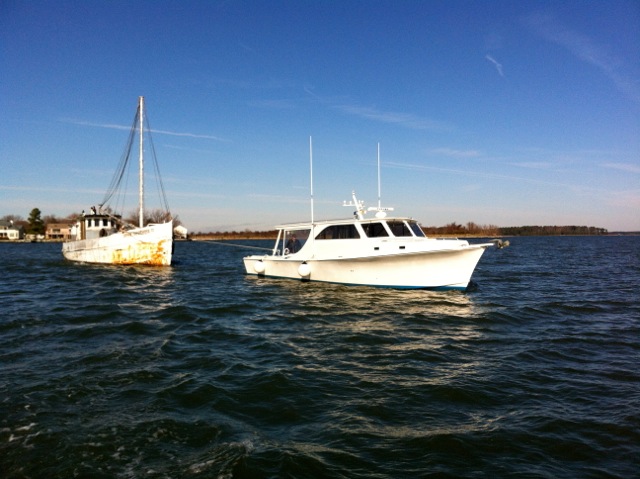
625,199
277,198
534,165
496,64
627,167
274,104
246,47
476,174
182,148
586,50
453,153
308,89
159,132
40,189
189,135
406,120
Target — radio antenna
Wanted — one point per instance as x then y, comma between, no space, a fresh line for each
311,174
380,211
379,203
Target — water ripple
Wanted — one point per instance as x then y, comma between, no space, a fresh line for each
199,371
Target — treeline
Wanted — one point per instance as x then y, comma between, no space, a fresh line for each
36,223
234,235
451,229
455,229
553,231
473,229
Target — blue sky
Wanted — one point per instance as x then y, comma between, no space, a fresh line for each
497,112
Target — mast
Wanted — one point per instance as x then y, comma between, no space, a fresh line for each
380,211
379,205
141,156
311,175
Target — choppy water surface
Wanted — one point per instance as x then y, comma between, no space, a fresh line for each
198,371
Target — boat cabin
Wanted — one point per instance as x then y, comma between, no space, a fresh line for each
96,225
292,238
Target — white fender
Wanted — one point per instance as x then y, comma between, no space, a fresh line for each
259,267
304,270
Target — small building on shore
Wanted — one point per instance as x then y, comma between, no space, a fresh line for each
10,232
58,232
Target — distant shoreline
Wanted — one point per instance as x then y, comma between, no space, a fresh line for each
227,237
272,237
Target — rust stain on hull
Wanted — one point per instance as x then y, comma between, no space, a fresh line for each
145,253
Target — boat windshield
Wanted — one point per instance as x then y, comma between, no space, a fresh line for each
399,228
294,240
374,230
415,227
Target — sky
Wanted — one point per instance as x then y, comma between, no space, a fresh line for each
494,112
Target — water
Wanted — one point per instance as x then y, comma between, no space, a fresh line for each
198,371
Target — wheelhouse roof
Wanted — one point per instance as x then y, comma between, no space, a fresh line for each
345,221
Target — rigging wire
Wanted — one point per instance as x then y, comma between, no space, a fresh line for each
116,181
116,190
156,167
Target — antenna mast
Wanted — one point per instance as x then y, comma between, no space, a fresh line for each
379,204
311,174
141,180
380,211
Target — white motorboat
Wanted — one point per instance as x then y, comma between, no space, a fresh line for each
101,236
391,252
381,251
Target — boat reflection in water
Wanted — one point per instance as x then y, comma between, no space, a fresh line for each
370,305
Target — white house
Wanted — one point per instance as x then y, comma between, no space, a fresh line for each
11,232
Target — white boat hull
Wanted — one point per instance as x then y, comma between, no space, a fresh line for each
435,269
151,245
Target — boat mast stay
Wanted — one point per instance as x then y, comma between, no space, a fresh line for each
116,195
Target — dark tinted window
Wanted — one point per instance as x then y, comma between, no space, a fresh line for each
374,230
339,232
416,229
399,228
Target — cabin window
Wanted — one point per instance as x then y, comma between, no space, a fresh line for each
374,230
105,222
415,227
399,228
339,232
294,240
